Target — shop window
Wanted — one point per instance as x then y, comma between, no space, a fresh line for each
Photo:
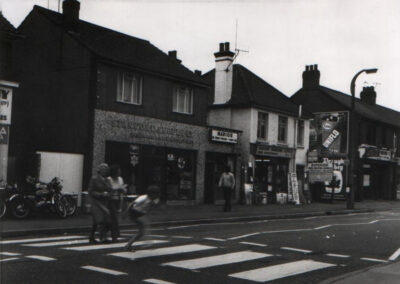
262,126
129,88
182,101
300,133
282,129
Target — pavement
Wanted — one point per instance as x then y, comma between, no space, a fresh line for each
170,215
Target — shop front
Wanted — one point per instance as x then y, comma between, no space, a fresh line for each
271,169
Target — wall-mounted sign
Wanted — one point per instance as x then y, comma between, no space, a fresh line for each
374,153
319,172
5,105
224,136
272,150
4,133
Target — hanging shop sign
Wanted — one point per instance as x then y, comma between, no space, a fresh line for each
5,105
224,136
272,150
374,153
329,133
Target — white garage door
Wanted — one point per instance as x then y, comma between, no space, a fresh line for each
68,167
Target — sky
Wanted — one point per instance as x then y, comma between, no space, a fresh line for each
278,38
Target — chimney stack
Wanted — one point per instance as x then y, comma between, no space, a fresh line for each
71,13
368,95
173,54
223,73
311,77
197,72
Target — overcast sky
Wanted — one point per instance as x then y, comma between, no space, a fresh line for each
282,36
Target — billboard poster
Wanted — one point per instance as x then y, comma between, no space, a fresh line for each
329,133
5,105
339,179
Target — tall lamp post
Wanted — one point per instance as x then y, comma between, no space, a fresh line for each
350,197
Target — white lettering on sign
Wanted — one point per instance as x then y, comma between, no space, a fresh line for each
331,138
5,105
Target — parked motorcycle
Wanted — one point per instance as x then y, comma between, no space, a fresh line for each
6,191
38,196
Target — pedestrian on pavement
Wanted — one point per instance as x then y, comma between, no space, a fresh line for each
137,211
117,189
227,183
99,188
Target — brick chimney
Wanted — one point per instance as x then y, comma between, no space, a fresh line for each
311,77
368,95
223,74
173,54
70,13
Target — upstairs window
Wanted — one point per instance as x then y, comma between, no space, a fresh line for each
129,89
182,100
262,126
300,133
282,129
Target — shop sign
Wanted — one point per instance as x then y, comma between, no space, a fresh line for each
5,105
376,153
224,136
329,133
4,133
319,172
270,150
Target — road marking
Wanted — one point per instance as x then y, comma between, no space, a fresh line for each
296,249
162,251
215,239
8,259
157,281
281,270
322,227
372,222
286,231
58,243
40,240
373,259
114,245
260,221
157,236
244,236
395,255
180,227
217,260
337,255
9,253
40,257
253,244
309,218
182,237
103,270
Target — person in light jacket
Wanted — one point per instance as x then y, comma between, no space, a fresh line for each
227,183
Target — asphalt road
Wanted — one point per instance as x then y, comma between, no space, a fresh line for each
305,250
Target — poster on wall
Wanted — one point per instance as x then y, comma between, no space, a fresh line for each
329,133
5,105
338,182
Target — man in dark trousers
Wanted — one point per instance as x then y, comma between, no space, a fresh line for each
227,183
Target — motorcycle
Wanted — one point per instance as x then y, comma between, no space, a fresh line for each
6,191
39,196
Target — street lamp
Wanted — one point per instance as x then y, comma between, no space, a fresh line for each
350,197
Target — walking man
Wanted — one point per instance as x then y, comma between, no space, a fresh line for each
227,183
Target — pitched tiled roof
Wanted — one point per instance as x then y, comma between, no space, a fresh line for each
250,90
5,25
373,112
125,49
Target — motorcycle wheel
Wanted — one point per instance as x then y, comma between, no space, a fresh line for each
61,209
70,204
20,208
3,208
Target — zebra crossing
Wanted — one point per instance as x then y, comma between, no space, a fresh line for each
217,256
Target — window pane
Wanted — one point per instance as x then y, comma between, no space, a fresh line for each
262,129
129,88
183,100
282,129
300,133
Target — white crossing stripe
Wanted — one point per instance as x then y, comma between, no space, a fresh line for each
40,257
58,243
279,271
182,237
322,227
254,244
157,236
216,260
40,240
9,253
114,245
373,259
244,236
337,255
103,270
296,249
162,251
8,259
395,255
215,239
156,281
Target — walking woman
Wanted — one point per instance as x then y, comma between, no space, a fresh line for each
227,183
99,188
117,189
